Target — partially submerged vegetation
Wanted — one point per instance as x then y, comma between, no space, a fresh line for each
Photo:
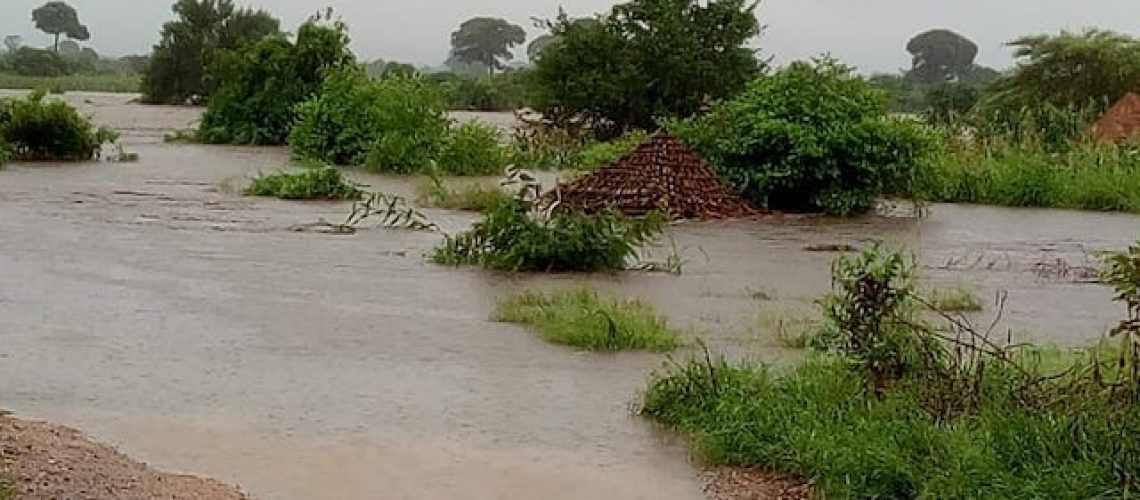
322,183
584,319
35,128
475,197
957,298
88,82
894,408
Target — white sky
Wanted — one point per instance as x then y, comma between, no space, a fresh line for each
870,34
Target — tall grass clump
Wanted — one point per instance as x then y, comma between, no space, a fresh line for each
39,129
473,197
584,319
473,148
955,299
898,409
325,183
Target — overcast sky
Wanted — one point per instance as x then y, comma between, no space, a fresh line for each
870,34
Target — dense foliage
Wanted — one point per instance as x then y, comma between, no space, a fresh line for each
981,420
513,238
40,129
324,183
262,83
943,56
1090,69
27,61
394,124
581,318
646,60
507,91
812,138
184,62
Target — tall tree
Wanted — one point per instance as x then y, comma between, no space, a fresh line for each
941,56
59,18
647,59
486,41
13,42
184,60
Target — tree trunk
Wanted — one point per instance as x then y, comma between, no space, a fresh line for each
491,67
56,43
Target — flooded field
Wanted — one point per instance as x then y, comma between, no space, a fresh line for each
151,305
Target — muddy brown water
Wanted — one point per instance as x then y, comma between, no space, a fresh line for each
154,307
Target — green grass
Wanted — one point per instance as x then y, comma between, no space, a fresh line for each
471,197
110,82
324,183
584,319
1079,176
955,299
818,422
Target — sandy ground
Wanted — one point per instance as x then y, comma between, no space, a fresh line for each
50,462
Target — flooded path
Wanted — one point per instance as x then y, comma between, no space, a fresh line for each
150,305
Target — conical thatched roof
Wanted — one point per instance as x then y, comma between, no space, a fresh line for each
660,174
1120,123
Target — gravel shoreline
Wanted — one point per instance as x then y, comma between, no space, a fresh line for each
40,460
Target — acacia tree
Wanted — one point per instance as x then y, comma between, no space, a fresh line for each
486,41
59,18
184,60
645,60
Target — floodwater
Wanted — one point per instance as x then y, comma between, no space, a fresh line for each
150,305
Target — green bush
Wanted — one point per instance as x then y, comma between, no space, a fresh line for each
511,238
581,318
811,138
262,83
505,91
27,61
325,183
473,148
39,129
395,124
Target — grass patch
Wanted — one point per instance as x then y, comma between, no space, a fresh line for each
1026,174
955,299
582,318
820,423
324,183
109,82
184,136
471,197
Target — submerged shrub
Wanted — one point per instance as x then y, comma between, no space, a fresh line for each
39,129
582,318
325,183
811,137
473,148
261,84
511,238
394,124
473,197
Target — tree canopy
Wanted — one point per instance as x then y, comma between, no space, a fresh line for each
943,56
13,42
184,60
486,41
645,60
59,18
1092,69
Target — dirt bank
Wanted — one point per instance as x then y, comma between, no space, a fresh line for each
47,461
